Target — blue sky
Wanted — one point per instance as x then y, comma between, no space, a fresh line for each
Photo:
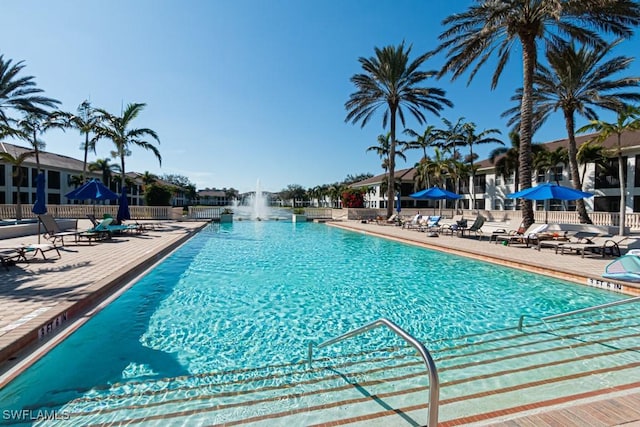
244,90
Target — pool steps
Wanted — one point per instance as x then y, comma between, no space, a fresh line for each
482,376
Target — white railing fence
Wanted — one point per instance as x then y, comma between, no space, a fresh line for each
632,220
81,211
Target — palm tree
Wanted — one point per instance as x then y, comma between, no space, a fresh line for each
590,152
628,120
106,169
37,123
148,178
463,134
577,80
382,150
76,180
431,137
506,159
545,162
495,26
19,93
392,82
16,161
117,129
86,121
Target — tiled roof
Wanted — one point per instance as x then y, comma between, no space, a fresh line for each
47,159
628,139
402,174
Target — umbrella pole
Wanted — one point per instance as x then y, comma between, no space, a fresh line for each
38,229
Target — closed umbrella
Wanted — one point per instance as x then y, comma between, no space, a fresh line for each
123,208
548,191
398,203
40,206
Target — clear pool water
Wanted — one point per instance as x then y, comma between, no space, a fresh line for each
252,294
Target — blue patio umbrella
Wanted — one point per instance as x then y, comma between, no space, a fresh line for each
92,190
123,208
398,203
435,193
40,206
548,191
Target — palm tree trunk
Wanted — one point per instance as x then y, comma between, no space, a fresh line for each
35,148
573,166
473,179
86,152
623,208
392,163
526,118
122,171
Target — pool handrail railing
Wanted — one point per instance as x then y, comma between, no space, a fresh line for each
579,311
434,382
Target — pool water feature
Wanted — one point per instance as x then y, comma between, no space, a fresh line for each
218,332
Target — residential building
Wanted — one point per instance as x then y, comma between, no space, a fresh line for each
491,189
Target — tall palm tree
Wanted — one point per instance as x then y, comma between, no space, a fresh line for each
118,130
86,120
463,134
576,81
495,26
19,93
628,120
392,82
16,161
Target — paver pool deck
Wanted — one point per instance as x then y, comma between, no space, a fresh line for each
41,297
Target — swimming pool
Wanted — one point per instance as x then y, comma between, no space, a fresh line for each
250,295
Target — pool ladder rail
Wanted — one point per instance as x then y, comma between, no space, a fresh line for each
434,382
574,312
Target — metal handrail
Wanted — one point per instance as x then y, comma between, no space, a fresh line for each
434,382
579,311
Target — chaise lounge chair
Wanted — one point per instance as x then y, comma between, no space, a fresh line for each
526,237
451,225
475,227
602,245
52,231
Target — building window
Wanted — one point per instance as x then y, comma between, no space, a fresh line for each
53,180
510,180
2,180
637,179
508,204
480,184
607,204
25,177
542,177
53,199
556,174
607,174
34,176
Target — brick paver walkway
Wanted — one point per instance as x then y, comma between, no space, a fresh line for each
40,296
